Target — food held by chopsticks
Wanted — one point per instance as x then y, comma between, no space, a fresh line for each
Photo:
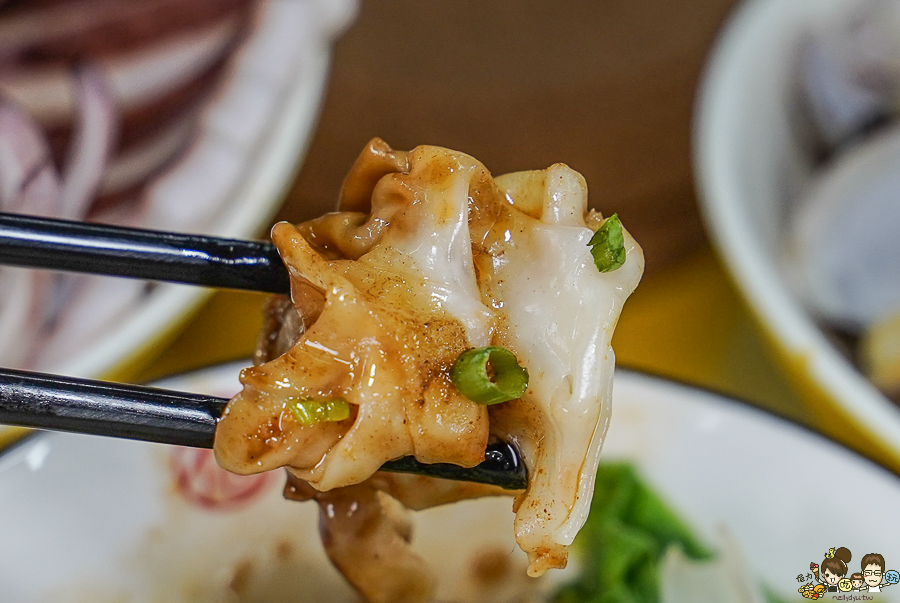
438,308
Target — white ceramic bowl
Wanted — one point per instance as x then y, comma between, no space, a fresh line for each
748,166
85,517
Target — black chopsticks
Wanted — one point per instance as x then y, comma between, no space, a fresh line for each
158,415
95,407
151,414
49,244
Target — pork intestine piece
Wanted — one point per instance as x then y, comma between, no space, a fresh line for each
429,257
385,337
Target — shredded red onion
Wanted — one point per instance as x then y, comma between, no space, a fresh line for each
95,135
136,165
28,181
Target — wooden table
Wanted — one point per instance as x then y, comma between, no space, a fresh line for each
606,87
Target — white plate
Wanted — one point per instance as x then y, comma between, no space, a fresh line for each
89,516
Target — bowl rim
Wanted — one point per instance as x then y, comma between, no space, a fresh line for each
723,209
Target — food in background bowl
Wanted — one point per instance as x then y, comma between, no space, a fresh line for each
169,115
844,253
848,74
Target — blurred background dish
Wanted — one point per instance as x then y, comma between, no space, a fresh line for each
175,116
797,161
736,475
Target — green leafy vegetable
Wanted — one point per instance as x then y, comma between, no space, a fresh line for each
310,411
624,540
608,245
489,375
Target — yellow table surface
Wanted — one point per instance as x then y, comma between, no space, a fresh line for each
685,322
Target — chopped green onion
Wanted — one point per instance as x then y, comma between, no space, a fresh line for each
470,375
310,411
608,245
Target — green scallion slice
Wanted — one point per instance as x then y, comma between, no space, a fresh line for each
608,245
310,411
506,380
